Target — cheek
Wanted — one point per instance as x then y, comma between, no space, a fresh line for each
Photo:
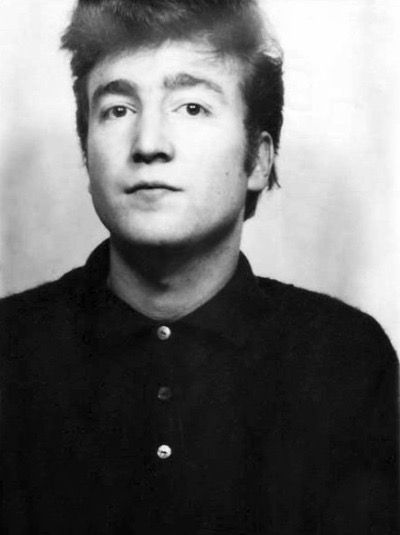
103,159
105,143
95,154
218,150
226,164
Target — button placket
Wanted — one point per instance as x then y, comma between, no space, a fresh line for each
166,417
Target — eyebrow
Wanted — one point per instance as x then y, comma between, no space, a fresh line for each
115,87
183,80
128,88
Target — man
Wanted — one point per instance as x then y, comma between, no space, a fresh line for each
163,388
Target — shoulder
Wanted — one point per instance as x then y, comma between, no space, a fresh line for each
36,305
66,293
312,310
325,327
332,360
300,303
38,322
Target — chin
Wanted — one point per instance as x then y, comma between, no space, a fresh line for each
152,239
159,233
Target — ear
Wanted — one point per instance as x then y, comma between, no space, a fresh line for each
258,179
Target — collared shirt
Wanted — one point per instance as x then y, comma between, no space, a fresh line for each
269,409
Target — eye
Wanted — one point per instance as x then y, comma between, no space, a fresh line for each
195,109
116,112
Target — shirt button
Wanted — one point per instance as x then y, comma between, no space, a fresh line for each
164,393
164,451
163,332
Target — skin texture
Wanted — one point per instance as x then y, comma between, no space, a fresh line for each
166,151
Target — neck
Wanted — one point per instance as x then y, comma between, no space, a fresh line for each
166,284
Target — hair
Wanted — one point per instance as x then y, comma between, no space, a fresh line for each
233,28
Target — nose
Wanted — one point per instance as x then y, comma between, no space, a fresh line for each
152,140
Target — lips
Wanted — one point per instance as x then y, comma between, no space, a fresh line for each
151,186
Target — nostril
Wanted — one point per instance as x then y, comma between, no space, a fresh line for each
150,157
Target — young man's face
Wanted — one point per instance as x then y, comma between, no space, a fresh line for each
166,145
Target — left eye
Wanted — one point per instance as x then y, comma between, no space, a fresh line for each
194,109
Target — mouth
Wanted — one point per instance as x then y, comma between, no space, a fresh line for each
149,186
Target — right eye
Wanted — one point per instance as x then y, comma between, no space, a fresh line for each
115,112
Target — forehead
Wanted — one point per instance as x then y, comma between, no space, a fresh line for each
150,68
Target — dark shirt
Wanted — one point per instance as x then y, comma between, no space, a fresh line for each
269,410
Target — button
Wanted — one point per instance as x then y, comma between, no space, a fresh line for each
164,451
163,332
164,393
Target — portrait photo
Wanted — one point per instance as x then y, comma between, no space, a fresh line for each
200,266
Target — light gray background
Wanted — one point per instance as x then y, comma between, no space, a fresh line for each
335,224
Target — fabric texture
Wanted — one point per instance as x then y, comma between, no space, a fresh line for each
279,407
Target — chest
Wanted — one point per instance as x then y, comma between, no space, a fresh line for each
146,432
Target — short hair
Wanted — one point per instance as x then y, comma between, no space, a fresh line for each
235,28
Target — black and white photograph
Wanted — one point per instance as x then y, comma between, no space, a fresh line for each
199,267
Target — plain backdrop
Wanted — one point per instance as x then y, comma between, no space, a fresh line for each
334,226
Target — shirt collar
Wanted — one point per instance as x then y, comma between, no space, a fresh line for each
234,313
